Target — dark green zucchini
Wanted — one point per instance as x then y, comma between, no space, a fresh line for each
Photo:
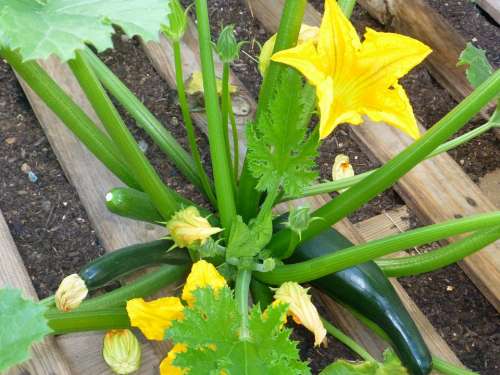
367,290
122,262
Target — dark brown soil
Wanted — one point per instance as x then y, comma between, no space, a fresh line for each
53,234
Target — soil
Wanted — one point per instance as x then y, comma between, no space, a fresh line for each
53,234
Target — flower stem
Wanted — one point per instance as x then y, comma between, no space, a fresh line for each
346,340
427,262
324,265
221,163
241,294
188,122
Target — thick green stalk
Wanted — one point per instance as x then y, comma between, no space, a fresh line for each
165,200
142,287
387,175
71,115
188,122
347,341
433,260
449,369
347,7
221,164
145,119
236,142
334,262
82,321
225,108
288,32
241,291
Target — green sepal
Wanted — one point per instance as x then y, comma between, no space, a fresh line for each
479,68
22,323
391,365
227,46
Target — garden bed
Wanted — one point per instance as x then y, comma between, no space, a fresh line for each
58,236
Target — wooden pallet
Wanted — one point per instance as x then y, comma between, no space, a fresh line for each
161,56
437,189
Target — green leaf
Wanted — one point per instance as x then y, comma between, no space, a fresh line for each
479,69
62,26
21,324
269,350
280,152
249,240
390,366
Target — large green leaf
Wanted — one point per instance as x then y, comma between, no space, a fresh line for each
60,27
218,347
479,68
21,324
390,366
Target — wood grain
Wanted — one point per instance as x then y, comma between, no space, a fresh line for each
92,181
437,189
47,358
492,7
161,56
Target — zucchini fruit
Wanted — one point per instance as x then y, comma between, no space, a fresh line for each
366,290
122,262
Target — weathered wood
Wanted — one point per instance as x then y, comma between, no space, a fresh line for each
438,189
47,358
92,181
490,186
161,56
385,224
492,7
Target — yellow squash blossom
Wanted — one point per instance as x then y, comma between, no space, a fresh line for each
122,351
342,169
152,318
187,227
71,293
301,308
203,274
353,78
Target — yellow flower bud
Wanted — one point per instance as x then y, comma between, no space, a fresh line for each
187,227
306,33
203,274
167,367
122,351
301,308
71,292
194,85
341,169
154,317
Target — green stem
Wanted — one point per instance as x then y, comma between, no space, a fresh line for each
71,115
383,178
236,142
261,294
346,340
188,122
226,108
145,119
334,262
288,32
82,321
165,200
144,286
449,369
241,294
221,163
433,260
48,301
347,7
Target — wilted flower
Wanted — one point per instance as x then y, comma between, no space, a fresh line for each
203,274
306,33
301,308
342,169
122,351
187,227
71,292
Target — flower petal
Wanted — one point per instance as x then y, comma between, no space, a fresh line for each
304,57
203,274
167,367
393,107
152,318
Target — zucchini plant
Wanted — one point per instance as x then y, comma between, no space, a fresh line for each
237,249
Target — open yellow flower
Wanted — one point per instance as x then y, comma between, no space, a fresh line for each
203,274
353,78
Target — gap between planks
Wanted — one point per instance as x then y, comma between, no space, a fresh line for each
161,56
436,190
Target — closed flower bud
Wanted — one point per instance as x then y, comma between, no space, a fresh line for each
227,47
177,21
71,292
122,351
301,308
306,33
341,169
188,228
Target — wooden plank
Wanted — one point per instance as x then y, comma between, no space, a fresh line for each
438,189
161,56
385,224
92,181
492,7
47,358
490,186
